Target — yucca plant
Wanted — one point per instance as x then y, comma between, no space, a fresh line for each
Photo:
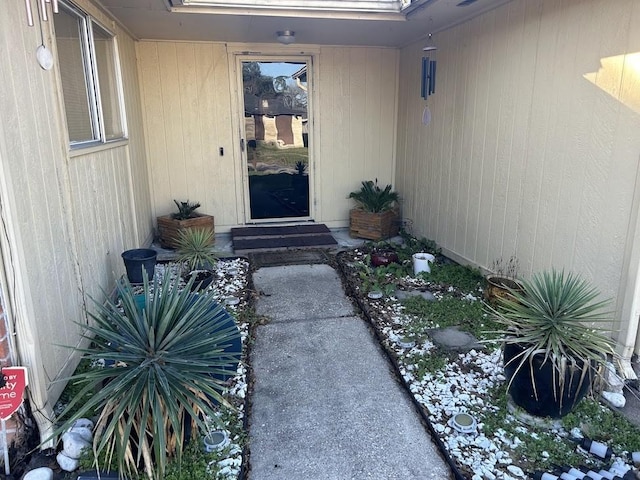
165,363
194,248
372,198
552,323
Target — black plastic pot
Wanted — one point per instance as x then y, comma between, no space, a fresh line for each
137,259
548,402
201,279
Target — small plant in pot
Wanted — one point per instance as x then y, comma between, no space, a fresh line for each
186,218
376,215
194,249
552,349
502,280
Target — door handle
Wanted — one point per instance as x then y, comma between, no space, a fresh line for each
242,144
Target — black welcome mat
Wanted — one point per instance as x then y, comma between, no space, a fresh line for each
264,239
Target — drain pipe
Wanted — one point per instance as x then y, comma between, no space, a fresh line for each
630,290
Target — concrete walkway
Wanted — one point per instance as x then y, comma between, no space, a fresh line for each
325,403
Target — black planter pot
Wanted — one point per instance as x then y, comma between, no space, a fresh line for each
546,403
138,259
202,279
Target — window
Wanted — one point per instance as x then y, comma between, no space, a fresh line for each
90,76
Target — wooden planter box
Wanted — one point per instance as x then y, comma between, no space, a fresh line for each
169,228
373,226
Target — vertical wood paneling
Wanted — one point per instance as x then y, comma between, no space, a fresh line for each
185,91
526,156
357,94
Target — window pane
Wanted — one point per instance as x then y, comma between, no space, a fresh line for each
74,86
105,59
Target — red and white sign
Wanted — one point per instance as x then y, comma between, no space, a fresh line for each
11,394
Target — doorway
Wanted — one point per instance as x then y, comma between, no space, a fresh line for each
275,104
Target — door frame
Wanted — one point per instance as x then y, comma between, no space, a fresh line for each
237,56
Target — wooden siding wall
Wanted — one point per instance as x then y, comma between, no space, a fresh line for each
358,97
65,219
187,117
533,149
189,93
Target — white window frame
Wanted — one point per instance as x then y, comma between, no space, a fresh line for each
94,99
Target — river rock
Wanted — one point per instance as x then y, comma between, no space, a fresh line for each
67,464
42,473
73,444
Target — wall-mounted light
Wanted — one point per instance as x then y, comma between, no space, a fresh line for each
286,37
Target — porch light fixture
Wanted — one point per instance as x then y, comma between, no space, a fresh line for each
286,37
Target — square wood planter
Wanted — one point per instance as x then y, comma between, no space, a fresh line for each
373,226
169,228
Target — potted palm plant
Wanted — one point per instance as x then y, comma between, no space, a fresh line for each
194,250
552,344
166,369
186,218
375,216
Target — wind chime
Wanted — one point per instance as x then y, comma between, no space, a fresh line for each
43,54
428,79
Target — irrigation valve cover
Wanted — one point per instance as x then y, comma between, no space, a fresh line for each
13,381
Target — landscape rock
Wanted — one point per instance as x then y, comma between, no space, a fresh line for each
42,473
74,444
613,382
83,423
615,399
66,463
84,432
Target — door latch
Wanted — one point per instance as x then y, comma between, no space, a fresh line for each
242,144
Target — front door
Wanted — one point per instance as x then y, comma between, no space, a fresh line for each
276,139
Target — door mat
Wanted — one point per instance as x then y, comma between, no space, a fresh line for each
265,239
292,257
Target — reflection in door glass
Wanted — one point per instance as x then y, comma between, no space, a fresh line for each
276,129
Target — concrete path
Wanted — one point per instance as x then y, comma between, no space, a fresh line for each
325,403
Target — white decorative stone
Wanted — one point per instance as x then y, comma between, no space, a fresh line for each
517,471
616,400
66,463
42,473
83,423
613,382
74,444
84,432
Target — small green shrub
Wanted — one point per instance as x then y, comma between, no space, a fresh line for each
464,278
194,248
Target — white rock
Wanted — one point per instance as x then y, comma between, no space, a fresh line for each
84,432
73,445
517,471
66,463
83,423
616,400
42,473
614,383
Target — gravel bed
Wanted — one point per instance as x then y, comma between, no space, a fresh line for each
464,385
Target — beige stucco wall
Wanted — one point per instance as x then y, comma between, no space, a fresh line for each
533,149
65,219
191,110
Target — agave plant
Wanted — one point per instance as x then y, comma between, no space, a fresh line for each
553,318
194,248
164,374
185,209
372,198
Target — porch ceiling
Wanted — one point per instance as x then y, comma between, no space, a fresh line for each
178,20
